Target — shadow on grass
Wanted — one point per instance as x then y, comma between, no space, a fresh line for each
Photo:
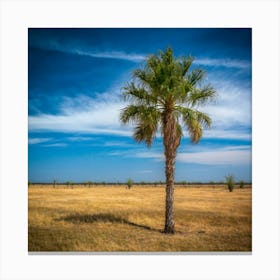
103,217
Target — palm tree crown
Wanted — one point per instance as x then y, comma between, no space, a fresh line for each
166,88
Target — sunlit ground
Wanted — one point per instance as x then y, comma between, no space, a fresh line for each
113,218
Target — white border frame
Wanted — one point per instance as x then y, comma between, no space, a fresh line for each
17,16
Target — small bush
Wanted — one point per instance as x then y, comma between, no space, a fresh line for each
129,183
241,184
90,183
70,184
230,182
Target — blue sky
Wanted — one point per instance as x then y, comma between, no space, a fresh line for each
75,80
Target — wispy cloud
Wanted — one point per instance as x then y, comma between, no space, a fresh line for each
232,108
80,138
85,51
145,171
33,141
212,62
227,134
135,57
80,122
56,145
115,153
112,55
154,155
219,157
228,155
228,63
115,144
83,114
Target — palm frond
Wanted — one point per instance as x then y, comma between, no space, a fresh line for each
144,77
144,133
152,63
147,126
131,113
146,120
185,64
192,124
201,96
138,95
194,121
195,130
203,119
196,76
167,56
179,133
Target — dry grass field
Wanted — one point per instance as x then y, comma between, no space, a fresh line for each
115,219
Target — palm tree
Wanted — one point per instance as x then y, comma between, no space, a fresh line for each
165,95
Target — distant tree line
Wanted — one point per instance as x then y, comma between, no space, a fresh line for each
98,183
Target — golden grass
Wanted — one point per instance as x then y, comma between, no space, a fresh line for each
115,219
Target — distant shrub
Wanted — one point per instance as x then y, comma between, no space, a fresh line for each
88,183
69,184
54,183
129,183
241,184
29,183
230,182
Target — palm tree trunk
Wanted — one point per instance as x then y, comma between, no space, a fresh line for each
169,201
170,147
